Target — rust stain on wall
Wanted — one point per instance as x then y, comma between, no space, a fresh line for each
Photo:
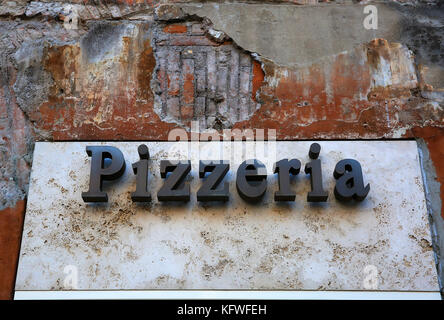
11,226
106,99
370,92
110,93
434,137
258,79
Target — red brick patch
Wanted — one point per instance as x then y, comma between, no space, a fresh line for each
175,28
258,78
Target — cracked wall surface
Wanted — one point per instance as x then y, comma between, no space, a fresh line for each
203,78
136,70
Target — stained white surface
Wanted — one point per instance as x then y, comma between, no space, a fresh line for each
270,246
225,295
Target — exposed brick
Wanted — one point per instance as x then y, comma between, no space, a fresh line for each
162,76
173,76
244,89
197,29
222,80
188,81
200,81
187,112
173,107
175,28
211,84
183,40
234,73
199,109
257,80
211,72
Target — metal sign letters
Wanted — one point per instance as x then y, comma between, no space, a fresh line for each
108,163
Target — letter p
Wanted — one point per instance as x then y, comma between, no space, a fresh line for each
107,163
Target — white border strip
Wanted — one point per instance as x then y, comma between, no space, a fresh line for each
225,295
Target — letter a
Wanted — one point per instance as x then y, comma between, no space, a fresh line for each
349,181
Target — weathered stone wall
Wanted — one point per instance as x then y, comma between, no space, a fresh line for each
134,70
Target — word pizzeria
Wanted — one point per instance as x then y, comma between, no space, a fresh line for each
108,163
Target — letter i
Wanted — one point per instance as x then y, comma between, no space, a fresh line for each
140,169
317,193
